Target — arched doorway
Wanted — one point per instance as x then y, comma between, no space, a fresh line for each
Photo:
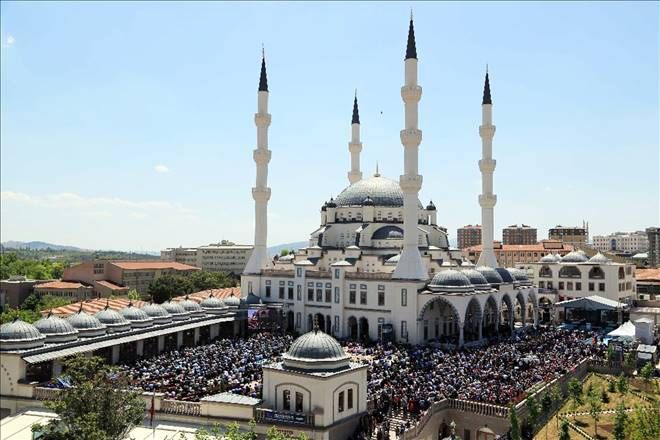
472,325
490,321
506,316
328,324
320,320
364,329
443,431
439,322
352,328
545,310
290,323
519,309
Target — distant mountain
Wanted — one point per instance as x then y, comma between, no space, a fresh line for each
278,248
39,245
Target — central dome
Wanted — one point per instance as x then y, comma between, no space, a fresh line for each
380,191
316,351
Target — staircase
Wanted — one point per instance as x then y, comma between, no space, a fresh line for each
396,419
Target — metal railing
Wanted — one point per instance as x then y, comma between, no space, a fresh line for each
182,408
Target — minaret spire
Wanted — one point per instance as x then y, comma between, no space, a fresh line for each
410,265
355,146
487,164
261,192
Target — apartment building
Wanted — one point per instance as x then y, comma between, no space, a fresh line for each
653,235
74,290
631,242
469,235
523,234
227,258
573,235
510,255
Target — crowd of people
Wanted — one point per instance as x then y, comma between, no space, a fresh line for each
226,365
407,380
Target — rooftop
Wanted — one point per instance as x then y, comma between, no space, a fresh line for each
545,245
60,285
152,265
647,274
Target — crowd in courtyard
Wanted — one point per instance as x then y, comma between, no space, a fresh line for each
226,365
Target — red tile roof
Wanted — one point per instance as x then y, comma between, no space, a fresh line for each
111,285
647,274
218,293
60,285
94,305
152,265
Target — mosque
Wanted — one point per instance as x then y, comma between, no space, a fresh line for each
379,266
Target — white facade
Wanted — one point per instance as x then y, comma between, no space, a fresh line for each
211,258
633,242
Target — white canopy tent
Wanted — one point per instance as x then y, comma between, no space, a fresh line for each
625,330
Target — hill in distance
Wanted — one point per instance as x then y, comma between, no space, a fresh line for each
278,248
39,245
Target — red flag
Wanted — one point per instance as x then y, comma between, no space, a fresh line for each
152,410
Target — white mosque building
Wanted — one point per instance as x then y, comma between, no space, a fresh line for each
379,265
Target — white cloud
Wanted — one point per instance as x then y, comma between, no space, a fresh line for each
9,41
160,168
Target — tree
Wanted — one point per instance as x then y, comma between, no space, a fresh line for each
31,303
546,406
133,295
620,422
604,396
563,430
630,362
595,406
575,393
622,384
168,286
24,315
647,373
284,252
533,411
610,353
645,422
611,386
203,280
98,406
232,431
514,432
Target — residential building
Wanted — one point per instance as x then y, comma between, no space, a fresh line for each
213,257
653,235
14,290
573,235
469,235
66,289
523,234
630,242
648,284
510,255
575,275
108,277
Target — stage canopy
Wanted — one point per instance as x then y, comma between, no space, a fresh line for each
593,302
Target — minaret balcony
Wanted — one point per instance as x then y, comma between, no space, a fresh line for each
410,184
261,194
487,165
261,156
411,93
487,200
262,119
355,147
487,131
411,137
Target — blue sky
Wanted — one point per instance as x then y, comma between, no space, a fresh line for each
130,125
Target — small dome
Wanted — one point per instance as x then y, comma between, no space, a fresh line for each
316,351
548,259
213,303
574,257
232,301
451,280
368,201
176,310
599,259
157,312
56,329
87,325
430,206
324,207
492,276
136,316
331,203
253,299
113,320
476,279
20,335
189,305
517,274
505,275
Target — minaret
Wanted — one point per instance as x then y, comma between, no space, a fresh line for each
355,146
410,265
261,192
487,199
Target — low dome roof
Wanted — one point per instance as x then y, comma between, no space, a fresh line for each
430,206
232,301
550,258
134,314
83,321
505,275
574,257
491,275
54,325
316,345
212,303
599,259
110,317
190,305
18,330
175,308
450,280
382,191
476,278
155,310
518,274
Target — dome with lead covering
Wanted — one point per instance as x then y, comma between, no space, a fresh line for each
476,279
599,259
113,320
381,191
451,280
518,274
505,275
86,324
574,257
492,276
136,316
20,335
232,301
316,351
157,312
213,303
550,258
176,310
56,329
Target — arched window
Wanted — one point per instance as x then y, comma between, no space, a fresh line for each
622,274
545,272
596,273
569,272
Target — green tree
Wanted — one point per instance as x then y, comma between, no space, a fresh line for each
575,393
133,295
645,422
203,280
610,353
51,302
31,303
622,384
595,407
169,286
546,406
563,430
611,386
533,411
630,362
98,406
647,373
284,252
24,315
514,432
620,422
